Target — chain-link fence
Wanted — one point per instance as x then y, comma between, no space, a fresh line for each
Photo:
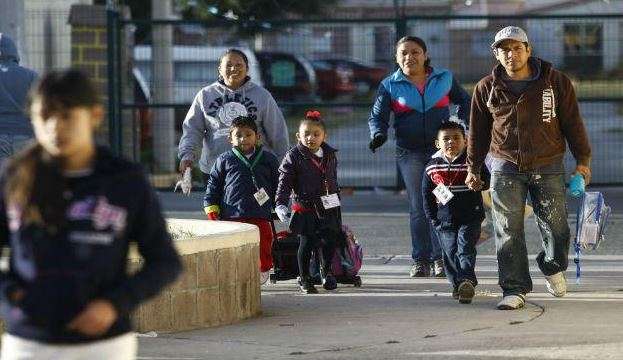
336,66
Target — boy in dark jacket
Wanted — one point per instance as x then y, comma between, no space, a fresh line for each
242,184
455,211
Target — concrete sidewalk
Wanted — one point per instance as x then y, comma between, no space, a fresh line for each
395,317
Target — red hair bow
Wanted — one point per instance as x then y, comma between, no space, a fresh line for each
313,114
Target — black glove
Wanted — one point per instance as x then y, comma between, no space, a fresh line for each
377,142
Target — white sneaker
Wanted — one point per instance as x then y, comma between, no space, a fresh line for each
512,302
264,275
556,284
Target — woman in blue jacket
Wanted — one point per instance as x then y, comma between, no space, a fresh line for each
419,96
68,211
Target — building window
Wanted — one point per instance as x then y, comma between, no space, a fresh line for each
583,47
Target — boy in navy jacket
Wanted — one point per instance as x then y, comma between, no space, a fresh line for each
242,185
455,211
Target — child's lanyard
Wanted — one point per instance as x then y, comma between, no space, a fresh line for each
456,175
323,171
244,160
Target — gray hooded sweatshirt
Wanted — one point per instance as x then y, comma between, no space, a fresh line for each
15,81
210,116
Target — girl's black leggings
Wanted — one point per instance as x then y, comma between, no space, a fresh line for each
310,242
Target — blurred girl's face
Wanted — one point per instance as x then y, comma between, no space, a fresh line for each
311,135
65,132
233,70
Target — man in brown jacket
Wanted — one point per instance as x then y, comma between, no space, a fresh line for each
522,115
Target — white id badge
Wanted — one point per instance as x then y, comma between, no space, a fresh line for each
443,194
261,196
330,201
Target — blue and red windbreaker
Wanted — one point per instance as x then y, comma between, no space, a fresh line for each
417,116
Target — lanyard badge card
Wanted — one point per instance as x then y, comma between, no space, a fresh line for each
260,195
443,194
329,201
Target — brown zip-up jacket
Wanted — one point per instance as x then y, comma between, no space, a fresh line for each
530,130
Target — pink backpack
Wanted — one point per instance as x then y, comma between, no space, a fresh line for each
347,259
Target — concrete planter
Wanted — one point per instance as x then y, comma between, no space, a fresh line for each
220,283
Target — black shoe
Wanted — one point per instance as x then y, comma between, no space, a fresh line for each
466,292
420,269
329,282
306,285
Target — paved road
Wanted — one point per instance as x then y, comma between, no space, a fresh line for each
394,317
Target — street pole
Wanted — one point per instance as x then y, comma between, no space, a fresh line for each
162,75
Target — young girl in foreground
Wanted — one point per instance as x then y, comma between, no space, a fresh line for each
68,211
309,172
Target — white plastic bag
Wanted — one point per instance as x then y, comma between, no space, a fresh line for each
592,217
186,184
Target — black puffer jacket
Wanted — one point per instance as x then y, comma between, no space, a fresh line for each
61,271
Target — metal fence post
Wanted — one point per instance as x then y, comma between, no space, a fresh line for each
112,27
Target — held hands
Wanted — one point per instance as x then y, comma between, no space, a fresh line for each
185,164
377,142
212,216
282,213
95,319
585,171
474,182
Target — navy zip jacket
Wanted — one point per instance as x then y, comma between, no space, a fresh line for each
86,258
466,205
230,185
301,178
417,117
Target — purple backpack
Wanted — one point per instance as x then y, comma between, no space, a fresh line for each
347,259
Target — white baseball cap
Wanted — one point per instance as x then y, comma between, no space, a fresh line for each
510,33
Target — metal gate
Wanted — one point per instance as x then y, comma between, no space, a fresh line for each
308,64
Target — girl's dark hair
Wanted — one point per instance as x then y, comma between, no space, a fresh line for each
34,182
419,41
237,52
64,89
243,122
314,117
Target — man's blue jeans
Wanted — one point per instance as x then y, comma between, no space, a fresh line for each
508,193
423,239
458,243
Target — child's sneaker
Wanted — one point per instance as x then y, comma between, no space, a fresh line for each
466,292
438,270
307,285
556,284
512,302
420,269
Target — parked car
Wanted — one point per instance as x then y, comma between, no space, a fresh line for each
333,80
365,77
288,77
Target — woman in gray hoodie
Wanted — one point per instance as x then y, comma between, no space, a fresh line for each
216,105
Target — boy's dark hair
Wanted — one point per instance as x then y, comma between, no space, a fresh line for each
449,125
244,121
314,117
